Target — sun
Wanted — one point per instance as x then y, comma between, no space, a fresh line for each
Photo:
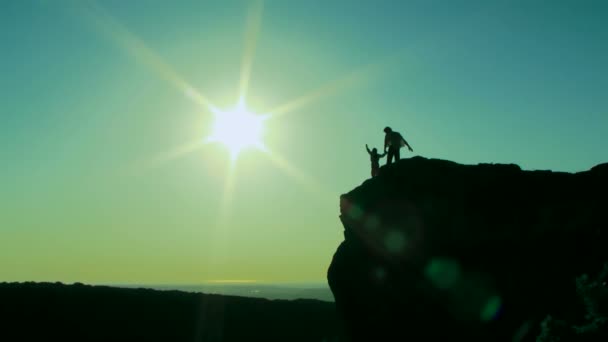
238,129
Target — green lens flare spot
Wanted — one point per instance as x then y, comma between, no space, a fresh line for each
491,308
355,213
395,242
444,273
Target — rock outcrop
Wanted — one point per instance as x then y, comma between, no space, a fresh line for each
436,250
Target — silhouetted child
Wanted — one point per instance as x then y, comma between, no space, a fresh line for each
374,157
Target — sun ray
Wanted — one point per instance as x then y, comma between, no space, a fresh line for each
307,181
108,26
254,23
227,194
356,77
177,152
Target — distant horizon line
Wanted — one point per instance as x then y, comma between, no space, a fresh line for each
205,282
220,282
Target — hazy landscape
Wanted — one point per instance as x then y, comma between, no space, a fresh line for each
289,291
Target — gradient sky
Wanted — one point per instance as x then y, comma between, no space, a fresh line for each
90,112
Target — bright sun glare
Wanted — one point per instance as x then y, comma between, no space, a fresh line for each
238,129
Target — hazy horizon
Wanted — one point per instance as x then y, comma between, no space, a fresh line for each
279,290
105,105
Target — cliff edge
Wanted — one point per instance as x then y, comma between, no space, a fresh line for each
435,249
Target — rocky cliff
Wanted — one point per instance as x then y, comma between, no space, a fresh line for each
438,250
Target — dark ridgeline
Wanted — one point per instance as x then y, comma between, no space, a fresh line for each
57,312
436,250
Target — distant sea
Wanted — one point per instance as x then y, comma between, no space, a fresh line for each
290,291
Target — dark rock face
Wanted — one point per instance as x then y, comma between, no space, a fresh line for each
438,250
57,312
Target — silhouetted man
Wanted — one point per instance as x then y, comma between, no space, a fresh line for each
374,157
394,141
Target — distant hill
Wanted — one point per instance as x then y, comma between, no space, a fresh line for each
436,250
288,291
57,312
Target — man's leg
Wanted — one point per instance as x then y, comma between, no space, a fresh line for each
389,156
397,156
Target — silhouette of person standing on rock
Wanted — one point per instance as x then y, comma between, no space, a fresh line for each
374,157
394,141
